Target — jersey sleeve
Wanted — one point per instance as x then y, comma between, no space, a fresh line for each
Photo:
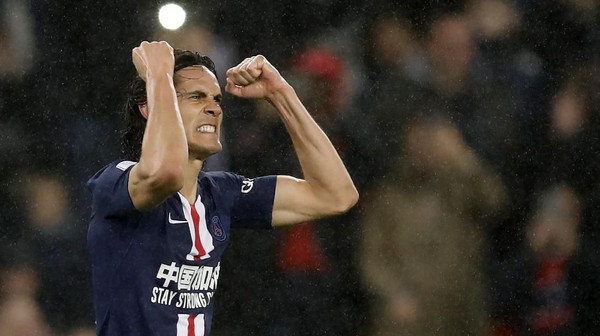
110,194
251,200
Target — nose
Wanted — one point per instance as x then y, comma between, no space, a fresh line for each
214,109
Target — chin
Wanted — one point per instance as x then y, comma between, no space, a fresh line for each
207,151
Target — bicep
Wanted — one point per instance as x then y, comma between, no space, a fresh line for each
296,202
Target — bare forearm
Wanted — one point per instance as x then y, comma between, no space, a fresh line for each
321,165
164,145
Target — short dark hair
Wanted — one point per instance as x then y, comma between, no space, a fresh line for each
135,123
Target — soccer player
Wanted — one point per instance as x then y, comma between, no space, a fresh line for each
160,224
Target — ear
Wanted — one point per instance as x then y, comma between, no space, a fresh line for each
143,110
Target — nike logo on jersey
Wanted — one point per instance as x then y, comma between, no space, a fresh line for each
175,221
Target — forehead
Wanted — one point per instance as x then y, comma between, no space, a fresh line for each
196,77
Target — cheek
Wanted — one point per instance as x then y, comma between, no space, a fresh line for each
187,116
188,126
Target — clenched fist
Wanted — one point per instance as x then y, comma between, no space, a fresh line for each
254,77
153,57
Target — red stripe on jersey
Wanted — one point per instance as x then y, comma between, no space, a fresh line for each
197,241
191,325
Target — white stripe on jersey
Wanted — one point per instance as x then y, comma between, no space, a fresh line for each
123,165
205,236
183,325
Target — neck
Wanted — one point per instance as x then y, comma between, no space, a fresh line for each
190,182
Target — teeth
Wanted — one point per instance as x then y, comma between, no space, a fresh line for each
206,129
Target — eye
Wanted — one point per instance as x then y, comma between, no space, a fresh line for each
195,97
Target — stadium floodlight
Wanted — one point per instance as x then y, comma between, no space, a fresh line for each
171,16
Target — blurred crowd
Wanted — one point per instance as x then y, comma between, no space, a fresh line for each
470,127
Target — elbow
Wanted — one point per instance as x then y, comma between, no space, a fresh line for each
172,180
353,198
346,201
166,179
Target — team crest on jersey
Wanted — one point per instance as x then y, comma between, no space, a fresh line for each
216,229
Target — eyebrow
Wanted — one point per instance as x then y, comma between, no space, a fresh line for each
202,94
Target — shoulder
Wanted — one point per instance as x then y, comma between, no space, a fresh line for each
223,180
235,182
250,200
109,189
220,176
110,173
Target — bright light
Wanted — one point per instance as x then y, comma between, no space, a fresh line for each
171,16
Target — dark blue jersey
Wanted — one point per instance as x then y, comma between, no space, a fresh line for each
156,272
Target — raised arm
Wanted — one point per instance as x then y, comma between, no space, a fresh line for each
159,172
327,188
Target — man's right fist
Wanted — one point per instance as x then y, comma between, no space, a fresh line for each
152,57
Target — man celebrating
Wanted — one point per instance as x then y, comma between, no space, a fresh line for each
160,224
